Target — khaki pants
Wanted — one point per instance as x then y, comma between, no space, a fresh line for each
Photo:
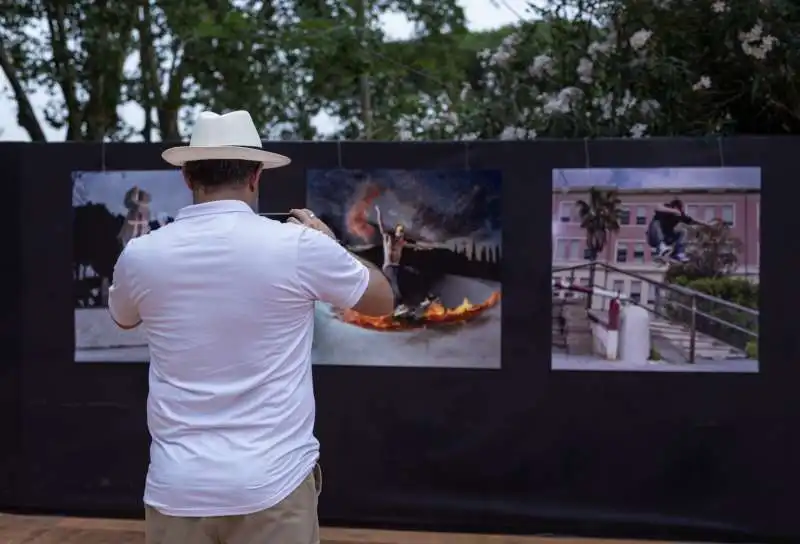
291,521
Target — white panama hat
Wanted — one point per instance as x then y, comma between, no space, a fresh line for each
231,136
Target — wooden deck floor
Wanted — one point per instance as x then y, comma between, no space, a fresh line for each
51,530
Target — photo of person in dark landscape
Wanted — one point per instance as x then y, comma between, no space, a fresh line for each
437,237
109,210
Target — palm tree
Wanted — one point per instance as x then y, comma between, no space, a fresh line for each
599,217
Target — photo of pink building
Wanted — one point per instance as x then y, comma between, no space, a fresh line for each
720,214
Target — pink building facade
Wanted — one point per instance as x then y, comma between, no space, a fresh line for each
628,248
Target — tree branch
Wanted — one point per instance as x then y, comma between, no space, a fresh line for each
26,117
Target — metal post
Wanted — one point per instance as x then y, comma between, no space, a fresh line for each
590,296
693,331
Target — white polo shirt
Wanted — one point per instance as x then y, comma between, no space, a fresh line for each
226,300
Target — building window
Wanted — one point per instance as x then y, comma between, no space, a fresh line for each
624,216
622,253
641,215
652,290
575,250
584,281
561,249
636,291
569,249
708,214
727,215
565,212
618,286
638,253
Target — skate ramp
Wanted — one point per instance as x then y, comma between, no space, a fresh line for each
471,344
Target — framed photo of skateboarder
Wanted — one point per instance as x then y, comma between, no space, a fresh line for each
436,234
677,247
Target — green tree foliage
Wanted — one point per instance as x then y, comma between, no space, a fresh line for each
643,67
285,61
712,252
572,68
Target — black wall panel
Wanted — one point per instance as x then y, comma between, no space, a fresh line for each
522,449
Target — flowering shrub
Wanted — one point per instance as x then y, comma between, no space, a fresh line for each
636,68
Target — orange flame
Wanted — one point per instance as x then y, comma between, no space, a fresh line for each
356,217
434,314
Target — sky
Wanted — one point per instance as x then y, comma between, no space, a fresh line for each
433,205
658,178
481,15
167,188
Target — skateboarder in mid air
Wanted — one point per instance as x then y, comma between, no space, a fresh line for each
663,236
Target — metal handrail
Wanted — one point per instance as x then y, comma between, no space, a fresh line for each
678,289
668,286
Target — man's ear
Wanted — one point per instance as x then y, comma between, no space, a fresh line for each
186,180
253,185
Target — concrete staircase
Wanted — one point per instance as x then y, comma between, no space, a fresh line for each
571,327
706,347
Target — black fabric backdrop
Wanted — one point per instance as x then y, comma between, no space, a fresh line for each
522,449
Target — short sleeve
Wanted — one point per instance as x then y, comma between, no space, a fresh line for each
121,304
328,272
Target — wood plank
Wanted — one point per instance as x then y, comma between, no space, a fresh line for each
53,530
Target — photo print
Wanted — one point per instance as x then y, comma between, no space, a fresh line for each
436,234
109,210
656,269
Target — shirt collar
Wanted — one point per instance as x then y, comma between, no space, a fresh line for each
213,208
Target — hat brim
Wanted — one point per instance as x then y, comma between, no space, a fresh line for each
178,156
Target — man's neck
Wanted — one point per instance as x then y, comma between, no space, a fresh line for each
203,198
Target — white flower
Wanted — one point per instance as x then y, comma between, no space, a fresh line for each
640,39
606,106
542,65
598,48
649,107
506,50
500,57
465,90
755,44
638,130
584,70
517,133
562,102
627,102
703,83
752,35
719,7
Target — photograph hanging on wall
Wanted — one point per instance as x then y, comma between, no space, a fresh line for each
109,209
656,269
436,235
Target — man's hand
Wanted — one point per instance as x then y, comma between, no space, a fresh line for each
307,218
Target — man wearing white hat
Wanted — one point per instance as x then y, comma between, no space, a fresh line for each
226,300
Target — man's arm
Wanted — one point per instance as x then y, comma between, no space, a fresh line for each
663,208
380,221
329,273
424,245
124,311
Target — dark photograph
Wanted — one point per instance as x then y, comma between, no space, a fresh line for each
436,235
109,210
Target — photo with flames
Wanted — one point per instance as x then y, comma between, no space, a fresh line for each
656,269
109,209
437,237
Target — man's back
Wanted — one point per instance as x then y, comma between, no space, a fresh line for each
231,407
